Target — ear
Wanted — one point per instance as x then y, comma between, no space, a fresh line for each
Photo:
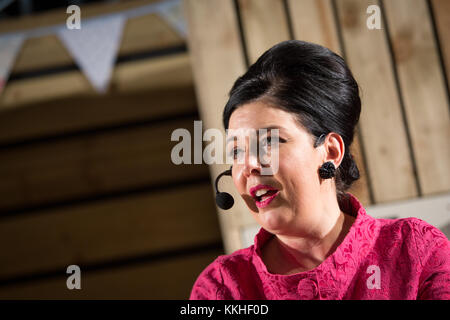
334,148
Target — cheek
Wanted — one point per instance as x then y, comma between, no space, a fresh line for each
298,169
238,179
240,183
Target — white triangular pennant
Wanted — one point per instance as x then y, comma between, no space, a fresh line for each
9,48
94,47
172,12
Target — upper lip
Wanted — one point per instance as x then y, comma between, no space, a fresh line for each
253,190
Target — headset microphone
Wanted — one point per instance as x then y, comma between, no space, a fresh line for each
224,200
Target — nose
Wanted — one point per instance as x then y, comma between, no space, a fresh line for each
252,164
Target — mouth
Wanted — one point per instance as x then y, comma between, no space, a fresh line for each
263,195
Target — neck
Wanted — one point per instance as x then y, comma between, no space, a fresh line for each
307,250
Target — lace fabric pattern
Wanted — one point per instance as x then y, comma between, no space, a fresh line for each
401,259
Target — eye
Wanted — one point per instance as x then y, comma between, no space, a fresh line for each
267,141
235,153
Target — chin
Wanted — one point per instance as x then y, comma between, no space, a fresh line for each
272,220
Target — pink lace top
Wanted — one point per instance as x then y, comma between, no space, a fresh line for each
378,259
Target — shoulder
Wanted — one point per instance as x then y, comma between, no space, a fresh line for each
414,232
230,266
416,251
235,260
425,230
428,238
213,281
433,254
410,227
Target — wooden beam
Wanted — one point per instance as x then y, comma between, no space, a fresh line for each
264,24
313,21
92,164
163,73
140,34
424,92
382,128
59,15
91,233
440,10
217,61
63,116
170,279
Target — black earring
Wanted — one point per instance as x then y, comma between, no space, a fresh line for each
327,170
224,200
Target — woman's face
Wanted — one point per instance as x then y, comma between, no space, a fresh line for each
293,191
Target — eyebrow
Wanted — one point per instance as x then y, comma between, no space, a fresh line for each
267,128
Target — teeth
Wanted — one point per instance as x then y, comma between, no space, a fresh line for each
260,192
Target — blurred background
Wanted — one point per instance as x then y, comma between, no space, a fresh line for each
86,117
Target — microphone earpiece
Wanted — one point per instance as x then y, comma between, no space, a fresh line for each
224,200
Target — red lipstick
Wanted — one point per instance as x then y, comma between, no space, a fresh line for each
264,200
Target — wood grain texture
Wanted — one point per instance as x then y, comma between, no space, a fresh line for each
217,61
108,230
423,89
140,34
314,21
169,279
169,72
59,15
381,124
62,116
46,88
264,25
92,164
441,9
162,73
146,33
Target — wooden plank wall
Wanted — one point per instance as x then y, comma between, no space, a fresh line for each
217,60
401,144
87,179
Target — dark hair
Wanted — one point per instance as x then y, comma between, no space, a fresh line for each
311,82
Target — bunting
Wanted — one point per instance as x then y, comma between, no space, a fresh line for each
94,47
9,48
172,12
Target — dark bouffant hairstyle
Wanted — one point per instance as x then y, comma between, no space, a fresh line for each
315,85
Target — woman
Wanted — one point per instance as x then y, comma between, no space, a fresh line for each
316,241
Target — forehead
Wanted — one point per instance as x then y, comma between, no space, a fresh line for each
258,114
